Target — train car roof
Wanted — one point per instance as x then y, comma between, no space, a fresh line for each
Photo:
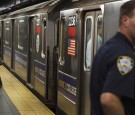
32,10
85,3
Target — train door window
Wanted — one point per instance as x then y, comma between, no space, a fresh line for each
15,29
44,38
38,33
0,30
31,32
56,42
88,42
22,34
31,29
62,38
7,32
99,38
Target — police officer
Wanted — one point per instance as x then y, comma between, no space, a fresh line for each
112,85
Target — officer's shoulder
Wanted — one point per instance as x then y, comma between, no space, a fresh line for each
115,43
112,47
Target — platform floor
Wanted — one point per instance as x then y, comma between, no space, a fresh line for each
22,98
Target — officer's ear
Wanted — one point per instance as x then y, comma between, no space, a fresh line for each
125,20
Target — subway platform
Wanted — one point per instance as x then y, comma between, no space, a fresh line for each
16,99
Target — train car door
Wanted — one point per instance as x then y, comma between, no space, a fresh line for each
7,44
93,39
55,59
31,52
68,71
40,55
21,47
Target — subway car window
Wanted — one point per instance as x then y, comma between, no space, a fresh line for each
44,39
0,31
62,38
22,35
88,42
99,40
7,33
56,33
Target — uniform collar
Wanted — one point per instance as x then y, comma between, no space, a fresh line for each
123,37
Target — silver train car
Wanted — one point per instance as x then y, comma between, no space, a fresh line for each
46,45
29,42
84,27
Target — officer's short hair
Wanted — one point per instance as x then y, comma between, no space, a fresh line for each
127,9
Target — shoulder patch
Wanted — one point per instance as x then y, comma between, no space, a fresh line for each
125,64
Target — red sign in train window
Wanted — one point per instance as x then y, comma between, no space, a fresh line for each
38,29
71,31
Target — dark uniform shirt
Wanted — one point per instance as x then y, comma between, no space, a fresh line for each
113,71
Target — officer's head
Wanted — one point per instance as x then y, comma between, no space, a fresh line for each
127,9
127,20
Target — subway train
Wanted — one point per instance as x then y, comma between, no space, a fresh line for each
45,45
29,41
